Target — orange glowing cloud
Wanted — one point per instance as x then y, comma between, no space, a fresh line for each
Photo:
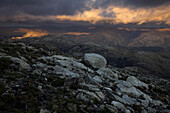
30,33
140,15
121,15
92,16
164,29
91,27
76,33
132,29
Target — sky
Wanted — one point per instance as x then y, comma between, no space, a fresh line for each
92,11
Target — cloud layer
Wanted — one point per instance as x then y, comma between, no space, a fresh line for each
94,11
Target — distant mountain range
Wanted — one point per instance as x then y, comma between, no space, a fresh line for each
146,49
153,60
111,36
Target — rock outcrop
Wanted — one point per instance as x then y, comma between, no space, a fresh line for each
48,82
95,61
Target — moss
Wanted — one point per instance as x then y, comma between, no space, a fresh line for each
7,102
51,64
60,92
50,104
31,90
57,82
106,110
74,101
137,108
5,63
12,49
12,75
31,97
96,101
34,76
2,88
61,102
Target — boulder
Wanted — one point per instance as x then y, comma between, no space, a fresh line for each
118,105
127,88
107,73
135,82
95,61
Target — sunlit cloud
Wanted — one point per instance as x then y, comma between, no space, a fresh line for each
76,33
132,29
92,16
115,14
30,33
164,29
91,27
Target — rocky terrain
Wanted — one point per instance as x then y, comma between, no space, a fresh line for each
153,61
42,80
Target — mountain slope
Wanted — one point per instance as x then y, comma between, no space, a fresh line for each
154,63
152,39
41,80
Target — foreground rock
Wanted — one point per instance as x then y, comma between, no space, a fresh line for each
95,60
135,82
44,82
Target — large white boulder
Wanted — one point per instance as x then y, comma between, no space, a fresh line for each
95,60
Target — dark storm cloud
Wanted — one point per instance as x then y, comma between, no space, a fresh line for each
66,7
130,3
40,7
79,10
146,3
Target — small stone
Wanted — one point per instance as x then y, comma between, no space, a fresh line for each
44,111
112,109
156,102
144,111
97,79
107,73
40,87
16,85
83,106
118,105
100,95
151,110
127,111
91,94
72,107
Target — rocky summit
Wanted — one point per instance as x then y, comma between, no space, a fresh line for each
34,79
